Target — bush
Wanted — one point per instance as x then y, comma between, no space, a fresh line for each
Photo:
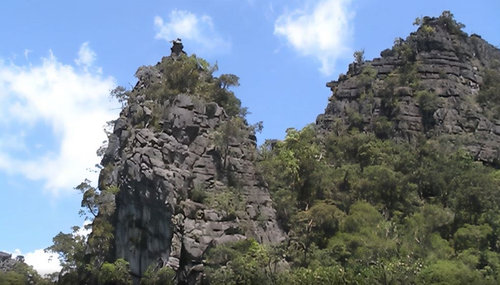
383,128
489,94
241,262
115,273
450,272
161,276
428,104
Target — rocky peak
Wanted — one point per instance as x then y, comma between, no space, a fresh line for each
183,160
428,85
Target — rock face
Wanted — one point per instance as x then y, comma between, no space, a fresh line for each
180,193
7,263
426,85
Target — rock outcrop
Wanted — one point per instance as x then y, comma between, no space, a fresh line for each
425,86
7,263
180,190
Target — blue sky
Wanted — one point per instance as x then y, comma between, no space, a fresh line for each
59,60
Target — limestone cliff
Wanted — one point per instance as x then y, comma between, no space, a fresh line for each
185,172
425,86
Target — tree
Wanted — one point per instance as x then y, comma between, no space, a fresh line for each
315,226
226,98
157,276
121,94
81,256
472,236
71,250
428,104
359,56
228,80
450,272
20,274
116,273
230,132
241,262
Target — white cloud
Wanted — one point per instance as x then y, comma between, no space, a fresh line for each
47,262
43,262
27,53
73,103
321,30
86,56
193,29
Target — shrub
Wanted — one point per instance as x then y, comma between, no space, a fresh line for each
428,104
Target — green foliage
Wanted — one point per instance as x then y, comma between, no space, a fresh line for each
198,194
389,97
192,75
489,94
226,98
115,273
22,274
448,21
359,56
313,227
182,74
404,51
231,132
383,212
161,276
417,21
472,236
364,235
121,94
82,257
101,206
242,262
383,128
428,103
422,230
354,118
450,272
227,200
367,76
95,202
321,275
293,170
12,278
71,250
427,30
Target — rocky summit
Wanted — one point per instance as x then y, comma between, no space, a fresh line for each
186,177
428,85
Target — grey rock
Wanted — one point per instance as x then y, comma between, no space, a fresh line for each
447,65
157,170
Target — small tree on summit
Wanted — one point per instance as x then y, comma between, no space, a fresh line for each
121,94
228,80
359,56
